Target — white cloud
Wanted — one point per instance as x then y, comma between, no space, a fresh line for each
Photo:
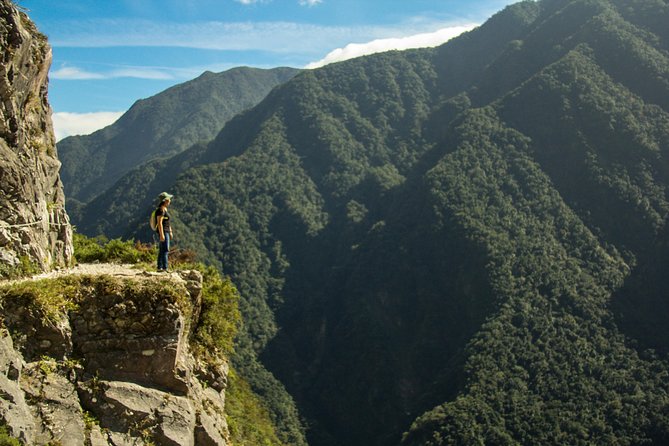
302,2
280,37
291,39
151,73
67,124
402,43
141,73
276,37
73,73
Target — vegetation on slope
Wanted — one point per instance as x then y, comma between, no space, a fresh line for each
23,269
550,367
161,126
464,243
6,439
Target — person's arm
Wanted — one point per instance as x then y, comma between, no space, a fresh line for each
161,233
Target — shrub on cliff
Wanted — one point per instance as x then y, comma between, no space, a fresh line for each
220,317
24,268
6,439
100,249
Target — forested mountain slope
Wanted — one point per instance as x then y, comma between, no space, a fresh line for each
162,126
463,244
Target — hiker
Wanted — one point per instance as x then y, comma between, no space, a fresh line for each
164,230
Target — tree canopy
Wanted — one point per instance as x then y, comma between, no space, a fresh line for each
458,245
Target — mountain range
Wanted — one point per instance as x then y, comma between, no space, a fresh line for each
162,126
457,245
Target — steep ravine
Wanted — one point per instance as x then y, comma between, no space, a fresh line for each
101,355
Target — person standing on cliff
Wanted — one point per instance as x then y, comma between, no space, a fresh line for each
164,229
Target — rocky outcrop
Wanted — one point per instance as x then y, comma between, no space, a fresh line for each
114,366
34,226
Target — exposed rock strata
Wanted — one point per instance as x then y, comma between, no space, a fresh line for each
115,370
33,222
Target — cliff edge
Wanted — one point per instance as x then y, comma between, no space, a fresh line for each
34,227
107,359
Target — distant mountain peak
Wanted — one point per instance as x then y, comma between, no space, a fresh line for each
161,126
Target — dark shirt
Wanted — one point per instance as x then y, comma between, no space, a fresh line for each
166,220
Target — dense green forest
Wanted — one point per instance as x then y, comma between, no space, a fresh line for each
161,126
459,245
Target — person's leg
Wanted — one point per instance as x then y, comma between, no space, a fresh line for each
167,250
160,256
163,248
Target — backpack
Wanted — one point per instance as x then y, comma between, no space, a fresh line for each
153,221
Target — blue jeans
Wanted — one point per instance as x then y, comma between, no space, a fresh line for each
163,250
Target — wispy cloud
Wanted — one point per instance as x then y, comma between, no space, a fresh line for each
141,73
74,73
266,36
301,2
277,37
153,73
67,124
402,43
299,42
280,37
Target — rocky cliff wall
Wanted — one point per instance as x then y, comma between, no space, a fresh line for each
33,222
106,360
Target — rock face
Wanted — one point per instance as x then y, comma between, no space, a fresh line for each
33,222
116,369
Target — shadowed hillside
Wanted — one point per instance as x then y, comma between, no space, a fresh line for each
462,244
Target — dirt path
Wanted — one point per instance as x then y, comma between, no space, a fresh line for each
112,269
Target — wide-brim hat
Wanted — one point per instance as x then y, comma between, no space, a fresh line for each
164,196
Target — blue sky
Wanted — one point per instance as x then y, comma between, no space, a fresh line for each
109,53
